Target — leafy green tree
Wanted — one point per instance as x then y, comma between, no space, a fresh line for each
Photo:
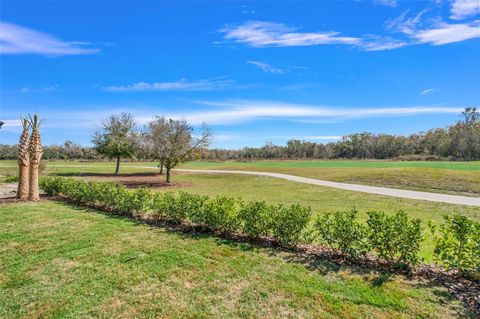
117,139
156,139
179,143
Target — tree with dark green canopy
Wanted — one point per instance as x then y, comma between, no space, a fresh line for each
117,138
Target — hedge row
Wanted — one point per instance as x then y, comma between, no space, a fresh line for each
285,224
393,238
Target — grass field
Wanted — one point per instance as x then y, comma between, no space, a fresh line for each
459,178
321,199
58,261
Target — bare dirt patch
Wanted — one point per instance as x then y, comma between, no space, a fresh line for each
8,190
136,180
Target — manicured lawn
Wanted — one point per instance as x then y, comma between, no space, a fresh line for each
58,261
460,178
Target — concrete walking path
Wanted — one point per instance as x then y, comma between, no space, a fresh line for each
432,197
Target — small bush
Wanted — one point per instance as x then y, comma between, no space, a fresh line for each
221,214
290,223
138,201
8,178
50,185
458,246
166,206
256,218
395,238
341,231
194,206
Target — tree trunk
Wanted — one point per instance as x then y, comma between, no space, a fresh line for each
35,152
161,167
23,177
23,162
33,194
117,169
168,175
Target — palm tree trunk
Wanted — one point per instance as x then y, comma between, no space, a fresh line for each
117,169
35,151
23,184
33,194
23,162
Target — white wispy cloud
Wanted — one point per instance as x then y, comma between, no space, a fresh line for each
249,110
387,3
415,30
180,85
445,33
22,90
15,39
427,91
11,123
433,31
405,23
461,9
265,67
377,43
272,34
223,113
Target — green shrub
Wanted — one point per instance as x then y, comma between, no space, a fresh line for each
113,196
138,201
8,178
50,185
166,205
341,231
221,214
458,246
290,223
395,238
256,218
193,205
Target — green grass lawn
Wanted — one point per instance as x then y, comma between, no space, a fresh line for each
59,261
458,178
320,199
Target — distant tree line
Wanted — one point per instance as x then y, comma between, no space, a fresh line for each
67,151
460,141
163,138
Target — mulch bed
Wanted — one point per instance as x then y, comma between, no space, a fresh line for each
13,199
136,180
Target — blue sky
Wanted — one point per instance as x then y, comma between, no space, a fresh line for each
255,72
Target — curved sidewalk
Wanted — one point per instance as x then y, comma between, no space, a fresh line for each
432,197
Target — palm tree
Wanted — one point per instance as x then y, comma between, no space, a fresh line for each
35,151
23,162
